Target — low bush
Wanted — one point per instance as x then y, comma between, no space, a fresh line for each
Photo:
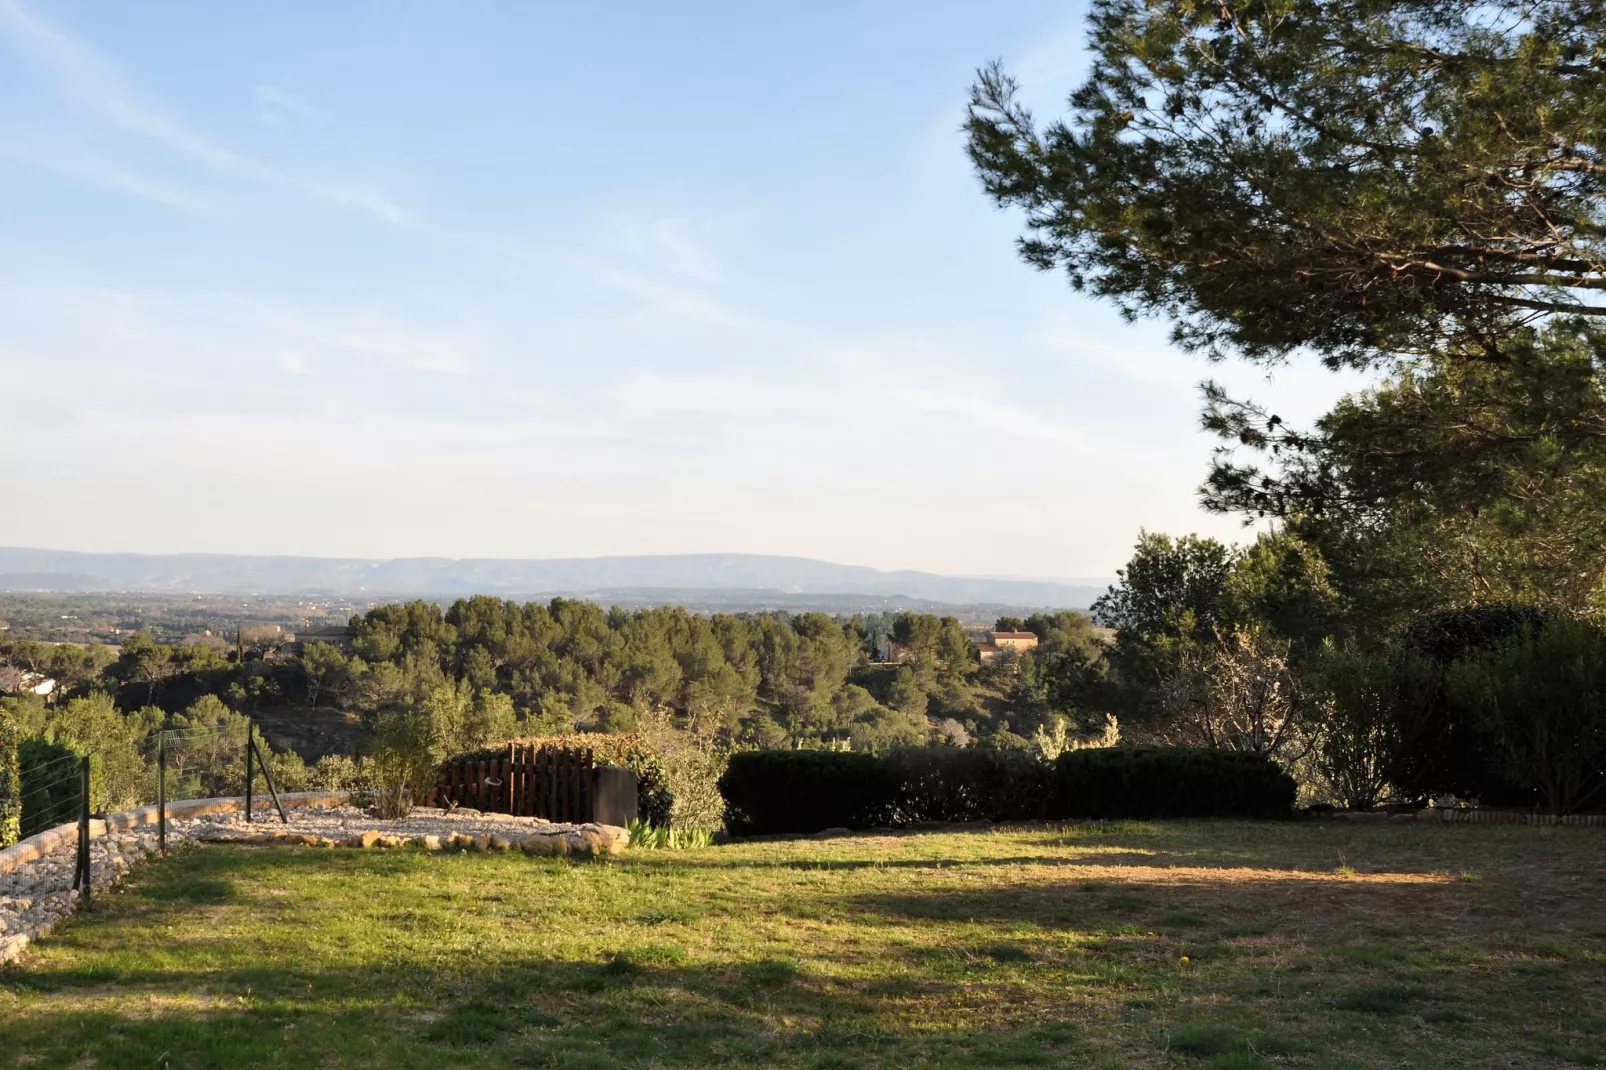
1363,702
967,784
658,838
1149,782
1541,696
10,782
1443,749
780,791
51,784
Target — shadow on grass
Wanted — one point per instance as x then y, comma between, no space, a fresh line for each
620,1010
146,979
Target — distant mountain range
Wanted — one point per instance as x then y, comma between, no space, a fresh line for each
690,574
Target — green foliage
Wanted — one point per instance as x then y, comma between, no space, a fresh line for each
805,791
967,784
1406,185
1541,695
52,785
341,772
1447,482
93,725
10,781
1444,748
328,672
1168,782
407,745
1359,734
1396,176
206,751
659,838
770,792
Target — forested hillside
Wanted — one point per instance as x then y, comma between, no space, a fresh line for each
768,679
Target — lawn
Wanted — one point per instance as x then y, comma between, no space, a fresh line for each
1218,944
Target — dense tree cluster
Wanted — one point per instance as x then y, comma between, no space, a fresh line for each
765,679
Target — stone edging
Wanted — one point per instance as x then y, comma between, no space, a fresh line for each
1506,817
44,843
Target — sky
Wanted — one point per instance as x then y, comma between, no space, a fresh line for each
472,279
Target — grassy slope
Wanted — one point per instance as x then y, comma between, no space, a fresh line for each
1307,945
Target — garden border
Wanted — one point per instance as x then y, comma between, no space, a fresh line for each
1449,815
50,840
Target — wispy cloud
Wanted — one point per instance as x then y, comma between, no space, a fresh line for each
663,263
277,106
96,86
996,419
81,164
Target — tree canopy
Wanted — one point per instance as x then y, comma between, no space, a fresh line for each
1362,179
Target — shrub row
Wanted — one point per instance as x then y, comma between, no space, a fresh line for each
771,792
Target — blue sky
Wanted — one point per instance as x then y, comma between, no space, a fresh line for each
535,280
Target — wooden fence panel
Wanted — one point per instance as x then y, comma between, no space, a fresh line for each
549,782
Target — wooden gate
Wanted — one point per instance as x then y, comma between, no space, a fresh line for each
550,782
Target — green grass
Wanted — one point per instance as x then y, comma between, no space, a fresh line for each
1011,947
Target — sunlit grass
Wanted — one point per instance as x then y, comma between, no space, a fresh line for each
1188,944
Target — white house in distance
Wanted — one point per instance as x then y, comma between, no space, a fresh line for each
15,681
998,642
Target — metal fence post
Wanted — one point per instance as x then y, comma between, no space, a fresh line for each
161,791
267,775
84,879
248,774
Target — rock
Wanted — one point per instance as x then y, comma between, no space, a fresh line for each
500,842
428,843
618,839
588,843
550,844
461,841
482,842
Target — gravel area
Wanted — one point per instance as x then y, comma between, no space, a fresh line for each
342,822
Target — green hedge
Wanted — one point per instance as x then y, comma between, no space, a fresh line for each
780,791
51,782
1442,747
1145,782
967,784
770,792
10,782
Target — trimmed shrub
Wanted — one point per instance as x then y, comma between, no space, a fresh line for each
1443,748
10,782
1355,737
967,784
654,800
51,783
780,791
1145,782
1541,696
